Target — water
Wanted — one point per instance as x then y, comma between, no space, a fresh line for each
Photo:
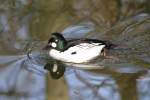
128,67
124,74
25,24
18,81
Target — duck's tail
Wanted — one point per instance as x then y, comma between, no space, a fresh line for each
110,45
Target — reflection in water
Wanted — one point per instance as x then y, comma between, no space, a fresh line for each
20,77
84,85
78,31
14,76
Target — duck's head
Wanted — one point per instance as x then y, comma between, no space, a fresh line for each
56,41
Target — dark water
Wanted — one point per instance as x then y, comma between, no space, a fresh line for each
25,25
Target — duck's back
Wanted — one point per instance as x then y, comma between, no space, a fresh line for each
74,42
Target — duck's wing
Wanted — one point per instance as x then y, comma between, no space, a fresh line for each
74,42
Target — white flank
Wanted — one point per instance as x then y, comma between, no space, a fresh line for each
84,53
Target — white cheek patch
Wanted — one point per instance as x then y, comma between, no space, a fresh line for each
54,44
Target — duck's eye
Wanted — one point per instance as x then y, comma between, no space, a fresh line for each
53,44
56,40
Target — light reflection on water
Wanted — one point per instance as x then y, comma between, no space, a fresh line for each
106,85
21,77
84,85
17,81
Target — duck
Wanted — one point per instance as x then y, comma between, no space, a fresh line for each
76,50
